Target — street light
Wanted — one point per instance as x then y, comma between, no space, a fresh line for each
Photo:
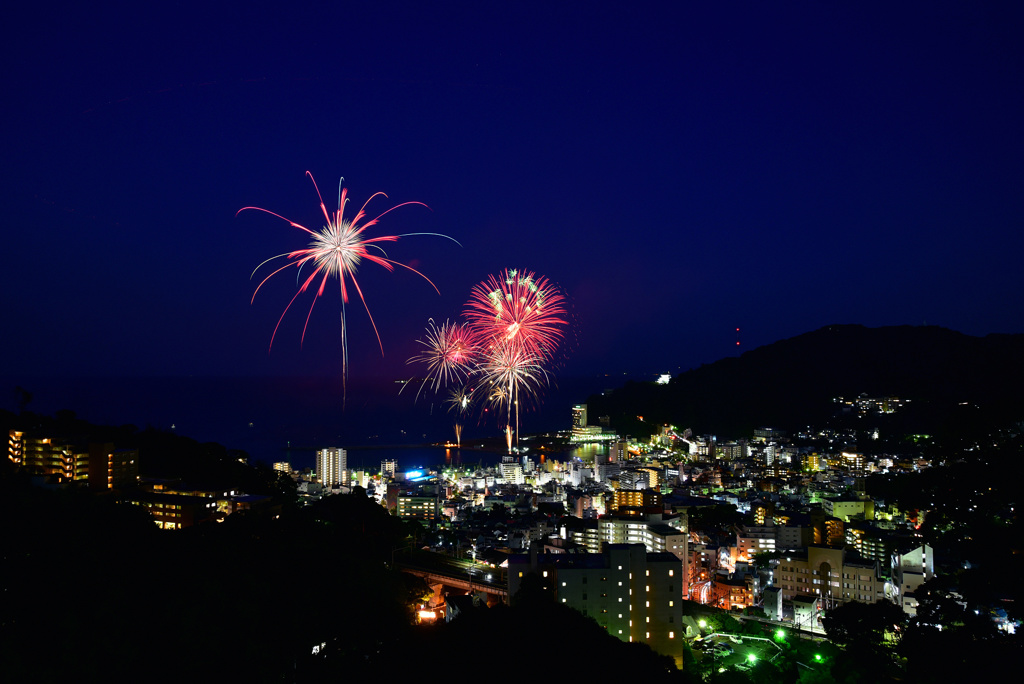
780,635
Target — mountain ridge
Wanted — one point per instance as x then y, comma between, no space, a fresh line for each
792,382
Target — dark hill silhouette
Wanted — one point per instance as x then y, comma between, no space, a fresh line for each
952,379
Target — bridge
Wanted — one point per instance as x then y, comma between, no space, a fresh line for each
467,577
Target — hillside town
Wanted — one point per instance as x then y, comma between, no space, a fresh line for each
778,529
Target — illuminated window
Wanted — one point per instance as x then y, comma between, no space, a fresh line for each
545,573
671,635
671,573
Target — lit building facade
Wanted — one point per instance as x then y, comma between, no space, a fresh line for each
829,574
752,540
656,533
175,511
636,501
910,570
99,465
332,467
417,507
579,419
632,593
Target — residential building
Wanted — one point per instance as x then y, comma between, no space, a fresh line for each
636,502
836,576
417,507
175,511
847,507
911,569
98,465
332,467
634,594
753,540
655,531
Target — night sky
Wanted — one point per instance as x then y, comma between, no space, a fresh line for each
682,172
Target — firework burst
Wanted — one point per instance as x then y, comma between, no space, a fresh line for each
460,399
520,309
449,352
515,322
336,251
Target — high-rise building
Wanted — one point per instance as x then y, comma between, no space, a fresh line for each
388,468
619,452
332,467
634,594
579,419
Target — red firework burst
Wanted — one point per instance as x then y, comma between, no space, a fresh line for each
336,251
520,309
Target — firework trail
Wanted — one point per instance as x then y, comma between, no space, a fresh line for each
515,322
335,251
449,352
519,317
515,376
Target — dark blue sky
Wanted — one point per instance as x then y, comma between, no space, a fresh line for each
680,172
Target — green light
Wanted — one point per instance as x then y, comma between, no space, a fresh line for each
703,624
752,658
817,657
780,634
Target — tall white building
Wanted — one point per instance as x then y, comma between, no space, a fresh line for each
332,467
512,473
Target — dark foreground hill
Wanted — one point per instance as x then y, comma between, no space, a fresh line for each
954,381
